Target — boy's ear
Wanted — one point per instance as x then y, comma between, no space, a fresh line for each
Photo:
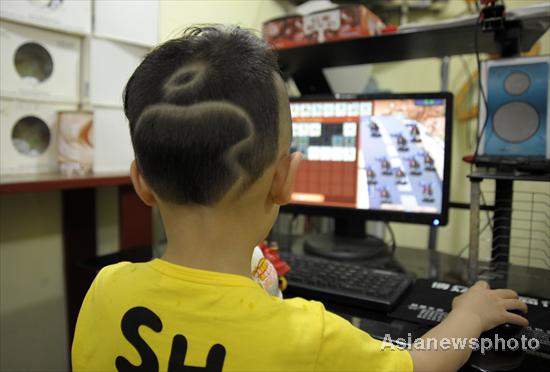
142,188
283,179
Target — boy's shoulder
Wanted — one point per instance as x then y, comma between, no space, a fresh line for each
125,274
114,270
116,274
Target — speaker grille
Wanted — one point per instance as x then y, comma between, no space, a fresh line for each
517,83
516,121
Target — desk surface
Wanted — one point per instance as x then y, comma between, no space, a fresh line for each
444,267
450,268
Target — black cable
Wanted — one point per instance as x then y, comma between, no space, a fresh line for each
290,234
469,5
481,91
392,234
488,215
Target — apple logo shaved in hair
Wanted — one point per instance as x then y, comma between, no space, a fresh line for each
186,130
204,114
183,81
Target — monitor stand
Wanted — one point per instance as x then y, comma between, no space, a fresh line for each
349,242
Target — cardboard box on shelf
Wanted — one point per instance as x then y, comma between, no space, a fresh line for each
113,150
107,66
131,21
39,65
28,136
67,16
341,23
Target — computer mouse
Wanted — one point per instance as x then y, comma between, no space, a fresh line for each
508,330
493,361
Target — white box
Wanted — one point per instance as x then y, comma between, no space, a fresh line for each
28,136
341,109
131,21
107,66
349,129
338,153
39,65
73,16
113,150
315,130
328,110
325,153
317,110
313,153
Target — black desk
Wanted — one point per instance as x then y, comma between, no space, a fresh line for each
526,281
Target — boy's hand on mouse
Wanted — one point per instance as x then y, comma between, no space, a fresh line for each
491,307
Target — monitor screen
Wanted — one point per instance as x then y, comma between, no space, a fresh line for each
385,157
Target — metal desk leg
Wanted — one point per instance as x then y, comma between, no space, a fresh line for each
473,253
79,245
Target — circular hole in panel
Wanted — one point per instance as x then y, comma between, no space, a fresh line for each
33,62
517,83
516,121
30,136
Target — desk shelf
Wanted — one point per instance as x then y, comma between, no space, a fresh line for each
57,181
305,64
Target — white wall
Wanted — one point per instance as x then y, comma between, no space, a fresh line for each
177,15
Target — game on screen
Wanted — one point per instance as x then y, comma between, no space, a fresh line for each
385,154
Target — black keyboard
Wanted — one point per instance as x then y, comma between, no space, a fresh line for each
542,336
346,283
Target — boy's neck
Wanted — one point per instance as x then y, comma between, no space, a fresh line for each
207,239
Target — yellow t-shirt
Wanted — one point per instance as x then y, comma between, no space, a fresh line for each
162,316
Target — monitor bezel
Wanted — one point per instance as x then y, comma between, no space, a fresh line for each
437,219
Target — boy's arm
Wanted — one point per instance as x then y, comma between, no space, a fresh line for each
477,310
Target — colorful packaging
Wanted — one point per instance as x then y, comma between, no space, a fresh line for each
264,273
75,142
341,23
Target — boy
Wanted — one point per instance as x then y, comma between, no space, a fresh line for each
211,130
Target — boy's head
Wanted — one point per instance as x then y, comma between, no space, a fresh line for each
209,117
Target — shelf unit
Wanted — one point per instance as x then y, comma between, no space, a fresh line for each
305,64
502,218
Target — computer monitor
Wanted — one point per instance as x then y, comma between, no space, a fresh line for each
377,157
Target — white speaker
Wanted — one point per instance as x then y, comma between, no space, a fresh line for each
516,122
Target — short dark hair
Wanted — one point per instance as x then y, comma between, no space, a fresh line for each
204,112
